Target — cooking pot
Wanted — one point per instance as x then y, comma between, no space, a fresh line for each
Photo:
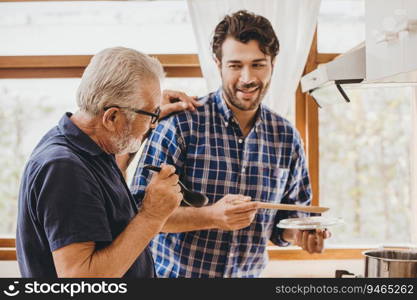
391,263
387,263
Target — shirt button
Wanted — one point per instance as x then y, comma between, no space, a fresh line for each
226,123
240,141
243,170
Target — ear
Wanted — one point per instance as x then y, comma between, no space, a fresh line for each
110,119
273,65
218,63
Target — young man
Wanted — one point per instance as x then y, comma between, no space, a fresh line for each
234,146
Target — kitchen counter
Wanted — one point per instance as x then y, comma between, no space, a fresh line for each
312,268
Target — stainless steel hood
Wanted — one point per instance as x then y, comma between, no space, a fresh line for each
348,68
343,69
387,57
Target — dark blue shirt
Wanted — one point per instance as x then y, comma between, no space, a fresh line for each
71,191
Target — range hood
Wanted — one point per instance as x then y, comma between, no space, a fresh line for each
348,68
387,57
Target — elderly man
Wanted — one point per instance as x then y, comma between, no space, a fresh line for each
76,215
231,145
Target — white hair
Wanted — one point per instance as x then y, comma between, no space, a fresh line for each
114,76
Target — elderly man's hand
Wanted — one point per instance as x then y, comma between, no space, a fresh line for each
175,101
310,240
162,195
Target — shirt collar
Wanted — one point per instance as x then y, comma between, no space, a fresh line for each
224,111
227,114
260,117
77,137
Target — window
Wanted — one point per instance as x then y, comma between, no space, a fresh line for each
365,166
364,147
341,25
61,28
190,86
30,107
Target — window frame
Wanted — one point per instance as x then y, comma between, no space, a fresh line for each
70,66
187,65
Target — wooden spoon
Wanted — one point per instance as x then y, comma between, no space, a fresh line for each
313,209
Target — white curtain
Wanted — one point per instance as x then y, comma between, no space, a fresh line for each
294,22
413,151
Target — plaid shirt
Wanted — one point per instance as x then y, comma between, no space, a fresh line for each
212,156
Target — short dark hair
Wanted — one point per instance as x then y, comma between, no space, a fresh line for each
244,27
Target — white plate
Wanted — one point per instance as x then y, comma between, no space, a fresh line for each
310,223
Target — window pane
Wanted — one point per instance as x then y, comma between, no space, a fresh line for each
365,166
48,28
341,25
191,86
30,107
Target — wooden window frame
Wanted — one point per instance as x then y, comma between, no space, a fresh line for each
72,66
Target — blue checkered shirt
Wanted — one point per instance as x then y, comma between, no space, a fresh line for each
212,156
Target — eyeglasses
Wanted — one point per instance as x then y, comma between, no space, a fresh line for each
155,115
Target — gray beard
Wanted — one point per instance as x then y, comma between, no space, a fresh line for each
124,143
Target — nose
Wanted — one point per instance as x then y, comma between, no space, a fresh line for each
246,75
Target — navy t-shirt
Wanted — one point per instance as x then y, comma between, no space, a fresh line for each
71,191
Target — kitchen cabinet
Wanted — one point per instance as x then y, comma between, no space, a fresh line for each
409,37
391,37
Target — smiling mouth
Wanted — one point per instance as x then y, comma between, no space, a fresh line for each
248,92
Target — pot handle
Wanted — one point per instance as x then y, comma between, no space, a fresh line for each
385,269
341,273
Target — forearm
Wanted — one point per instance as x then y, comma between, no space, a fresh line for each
189,219
116,259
